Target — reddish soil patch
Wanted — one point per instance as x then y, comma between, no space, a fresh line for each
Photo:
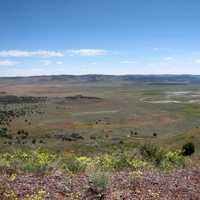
106,103
60,125
150,119
56,124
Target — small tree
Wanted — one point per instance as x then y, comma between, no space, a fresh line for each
153,153
3,132
188,149
33,141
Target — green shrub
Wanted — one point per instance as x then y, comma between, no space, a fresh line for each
153,153
122,160
173,158
33,141
188,149
104,162
34,168
114,161
74,164
37,161
137,164
100,180
3,132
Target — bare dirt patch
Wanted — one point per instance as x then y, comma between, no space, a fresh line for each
150,119
68,123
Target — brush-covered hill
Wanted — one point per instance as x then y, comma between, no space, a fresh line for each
184,79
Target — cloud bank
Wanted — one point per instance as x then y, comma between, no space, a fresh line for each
7,63
39,53
47,53
87,52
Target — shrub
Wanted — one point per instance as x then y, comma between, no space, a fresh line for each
3,132
153,153
100,180
121,160
188,149
38,161
173,158
155,134
137,164
33,141
41,142
114,161
43,157
34,168
75,164
104,161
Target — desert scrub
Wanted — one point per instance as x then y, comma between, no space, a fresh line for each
117,161
121,160
5,160
74,164
137,164
14,160
188,149
39,162
104,162
173,158
28,160
44,161
100,180
151,152
43,157
162,158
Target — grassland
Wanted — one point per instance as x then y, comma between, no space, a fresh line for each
71,126
108,112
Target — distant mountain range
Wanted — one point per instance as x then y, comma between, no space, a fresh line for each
151,79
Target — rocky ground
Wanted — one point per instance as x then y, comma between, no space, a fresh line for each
177,184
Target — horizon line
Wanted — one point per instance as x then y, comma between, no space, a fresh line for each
42,75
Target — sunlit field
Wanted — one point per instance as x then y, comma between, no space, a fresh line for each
95,132
96,114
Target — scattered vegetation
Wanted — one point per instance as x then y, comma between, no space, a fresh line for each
43,161
11,99
3,132
104,139
153,153
160,157
188,149
99,182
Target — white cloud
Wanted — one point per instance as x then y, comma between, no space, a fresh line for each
46,62
168,58
39,53
46,53
59,62
93,63
197,61
87,52
128,62
49,62
7,63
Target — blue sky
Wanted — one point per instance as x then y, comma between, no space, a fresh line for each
99,37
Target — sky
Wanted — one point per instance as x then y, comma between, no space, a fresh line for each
47,37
